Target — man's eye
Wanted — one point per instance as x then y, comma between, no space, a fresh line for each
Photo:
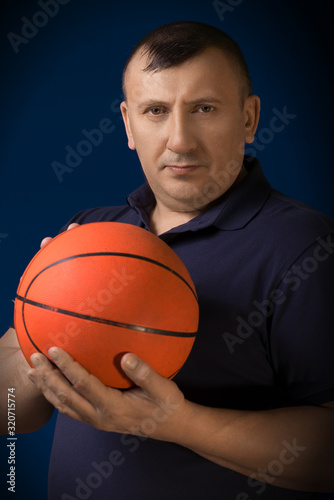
155,111
206,109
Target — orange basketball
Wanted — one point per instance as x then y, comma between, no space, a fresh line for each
103,289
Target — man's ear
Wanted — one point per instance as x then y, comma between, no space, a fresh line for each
125,115
252,115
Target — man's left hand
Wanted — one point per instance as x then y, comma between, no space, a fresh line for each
155,407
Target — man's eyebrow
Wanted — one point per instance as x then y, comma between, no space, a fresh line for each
152,103
199,100
206,99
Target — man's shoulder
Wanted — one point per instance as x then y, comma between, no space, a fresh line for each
291,216
275,211
288,229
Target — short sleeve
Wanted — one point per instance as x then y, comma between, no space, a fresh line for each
302,327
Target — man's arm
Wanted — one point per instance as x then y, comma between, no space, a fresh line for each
32,410
288,447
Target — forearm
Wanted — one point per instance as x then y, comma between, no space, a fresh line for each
289,447
293,447
30,408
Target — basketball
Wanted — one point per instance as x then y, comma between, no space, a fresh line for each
103,289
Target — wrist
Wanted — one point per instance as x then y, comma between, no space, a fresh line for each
180,423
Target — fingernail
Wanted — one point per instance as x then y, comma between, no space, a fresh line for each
31,376
131,362
35,361
53,354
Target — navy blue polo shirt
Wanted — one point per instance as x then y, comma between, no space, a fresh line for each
263,267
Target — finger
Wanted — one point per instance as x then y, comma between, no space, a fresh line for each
59,392
90,387
143,375
38,380
45,241
48,393
72,226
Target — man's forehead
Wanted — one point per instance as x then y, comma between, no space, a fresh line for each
211,62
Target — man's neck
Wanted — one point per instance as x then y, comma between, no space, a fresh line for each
163,219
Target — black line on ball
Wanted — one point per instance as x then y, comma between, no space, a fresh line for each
94,254
115,254
26,329
104,321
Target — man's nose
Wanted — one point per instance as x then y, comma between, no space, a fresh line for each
181,137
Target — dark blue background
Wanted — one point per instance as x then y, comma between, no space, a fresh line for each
67,78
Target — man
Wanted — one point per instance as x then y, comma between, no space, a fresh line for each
252,410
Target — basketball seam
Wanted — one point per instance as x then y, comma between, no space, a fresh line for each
116,254
109,322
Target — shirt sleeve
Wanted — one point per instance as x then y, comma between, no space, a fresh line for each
302,328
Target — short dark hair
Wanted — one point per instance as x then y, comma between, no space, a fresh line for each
175,43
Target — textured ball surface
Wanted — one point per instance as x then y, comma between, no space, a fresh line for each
103,289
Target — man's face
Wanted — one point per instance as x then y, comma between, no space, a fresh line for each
189,127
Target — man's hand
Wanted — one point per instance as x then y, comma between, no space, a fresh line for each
300,439
155,408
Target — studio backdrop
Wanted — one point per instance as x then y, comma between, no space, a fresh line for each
63,144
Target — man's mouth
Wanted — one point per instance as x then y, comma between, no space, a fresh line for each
182,169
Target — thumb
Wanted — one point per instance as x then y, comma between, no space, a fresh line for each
143,375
